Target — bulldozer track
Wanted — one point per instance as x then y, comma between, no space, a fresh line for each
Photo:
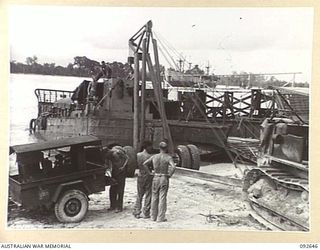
260,219
254,204
286,179
280,178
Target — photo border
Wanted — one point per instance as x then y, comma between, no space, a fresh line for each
95,236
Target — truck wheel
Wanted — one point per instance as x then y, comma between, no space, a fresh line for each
132,162
184,156
195,156
32,125
72,206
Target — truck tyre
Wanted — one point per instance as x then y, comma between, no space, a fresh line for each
72,206
43,123
132,162
32,125
195,156
184,156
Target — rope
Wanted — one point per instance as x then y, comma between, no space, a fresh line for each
198,103
211,217
196,99
165,57
165,49
179,55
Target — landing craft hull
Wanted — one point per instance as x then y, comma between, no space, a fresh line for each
121,131
110,116
117,131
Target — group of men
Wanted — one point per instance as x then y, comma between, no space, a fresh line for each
104,71
152,182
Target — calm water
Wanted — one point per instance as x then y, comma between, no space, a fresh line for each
23,102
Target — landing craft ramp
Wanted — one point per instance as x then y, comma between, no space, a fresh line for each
244,148
288,102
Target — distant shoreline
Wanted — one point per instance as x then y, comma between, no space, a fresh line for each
11,73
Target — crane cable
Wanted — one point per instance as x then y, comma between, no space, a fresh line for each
197,101
168,54
165,56
177,54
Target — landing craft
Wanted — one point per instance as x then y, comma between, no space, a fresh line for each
126,111
201,119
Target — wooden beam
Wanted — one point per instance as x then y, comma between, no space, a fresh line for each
136,103
143,90
208,177
166,132
158,96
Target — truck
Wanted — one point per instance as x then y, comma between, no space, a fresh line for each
59,175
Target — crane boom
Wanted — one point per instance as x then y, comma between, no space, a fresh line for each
139,44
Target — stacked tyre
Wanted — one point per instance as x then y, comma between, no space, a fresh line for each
189,156
132,161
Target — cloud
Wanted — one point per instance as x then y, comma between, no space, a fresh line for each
102,33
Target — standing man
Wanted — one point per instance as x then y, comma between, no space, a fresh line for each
105,71
119,160
144,183
164,168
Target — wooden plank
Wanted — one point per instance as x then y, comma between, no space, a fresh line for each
240,139
136,103
196,124
155,75
143,91
209,177
290,163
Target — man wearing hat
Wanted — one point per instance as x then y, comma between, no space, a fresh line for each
119,160
163,169
106,70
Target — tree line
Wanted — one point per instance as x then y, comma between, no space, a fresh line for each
86,67
81,66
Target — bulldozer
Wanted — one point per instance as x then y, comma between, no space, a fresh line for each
277,187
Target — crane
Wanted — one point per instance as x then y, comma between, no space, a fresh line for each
139,45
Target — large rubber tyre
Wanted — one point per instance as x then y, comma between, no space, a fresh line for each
195,156
43,123
32,125
184,155
72,206
132,162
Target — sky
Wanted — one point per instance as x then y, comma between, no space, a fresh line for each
256,40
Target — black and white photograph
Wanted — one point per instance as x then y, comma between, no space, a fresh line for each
159,118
